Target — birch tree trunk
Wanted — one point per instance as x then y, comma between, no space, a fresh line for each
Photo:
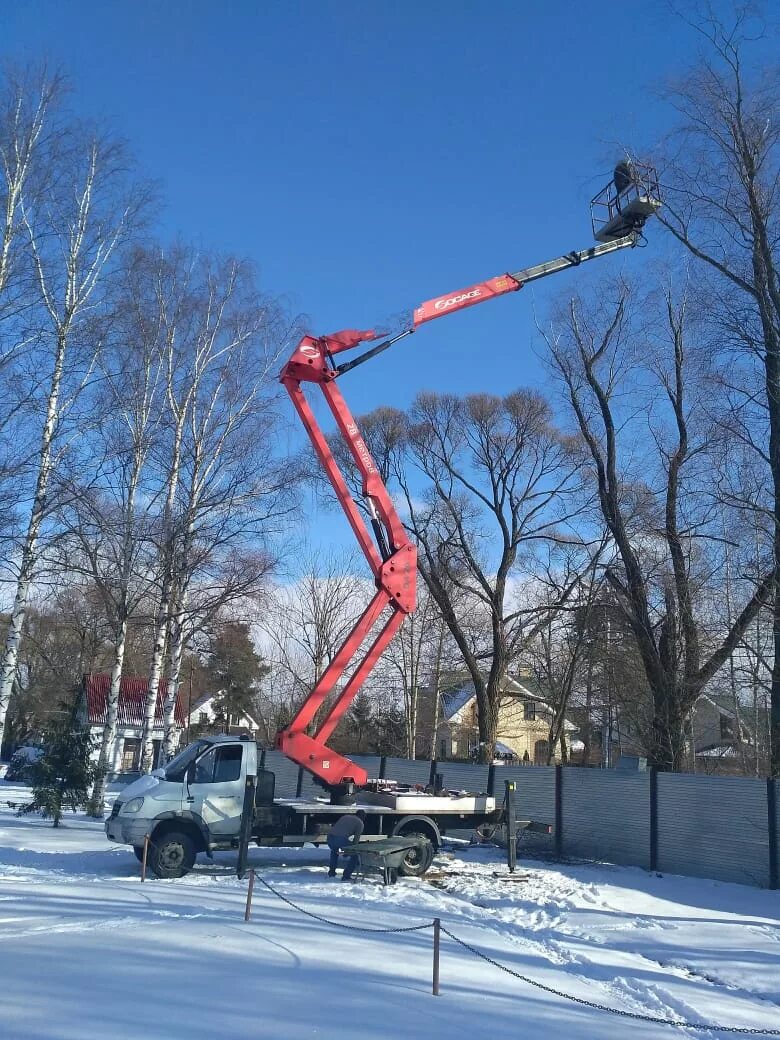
29,549
108,738
162,620
72,237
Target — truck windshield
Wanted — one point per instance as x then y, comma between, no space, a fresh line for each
177,766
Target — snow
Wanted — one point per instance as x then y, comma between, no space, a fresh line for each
87,951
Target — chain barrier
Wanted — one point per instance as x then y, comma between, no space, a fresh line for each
635,1015
340,924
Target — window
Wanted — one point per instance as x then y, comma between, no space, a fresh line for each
203,718
177,766
220,765
443,749
529,711
131,751
727,728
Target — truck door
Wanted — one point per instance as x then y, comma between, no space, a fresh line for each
216,793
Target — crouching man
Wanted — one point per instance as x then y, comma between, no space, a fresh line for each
345,831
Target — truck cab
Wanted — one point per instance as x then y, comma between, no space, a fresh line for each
193,804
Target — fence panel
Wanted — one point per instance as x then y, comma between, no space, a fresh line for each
368,762
535,790
464,776
286,773
713,826
606,816
535,799
406,771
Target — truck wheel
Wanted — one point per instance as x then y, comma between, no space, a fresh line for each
172,855
417,862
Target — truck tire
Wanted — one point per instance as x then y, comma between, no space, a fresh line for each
416,863
171,855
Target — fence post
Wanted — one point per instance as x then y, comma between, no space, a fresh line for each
653,818
510,814
249,891
432,774
383,767
491,783
299,785
771,819
146,853
261,764
559,812
436,942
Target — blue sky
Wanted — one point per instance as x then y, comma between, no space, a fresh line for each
368,155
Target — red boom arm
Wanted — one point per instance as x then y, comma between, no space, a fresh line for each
393,564
393,560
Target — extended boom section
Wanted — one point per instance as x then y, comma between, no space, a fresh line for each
619,212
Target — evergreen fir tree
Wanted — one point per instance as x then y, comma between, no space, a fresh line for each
63,775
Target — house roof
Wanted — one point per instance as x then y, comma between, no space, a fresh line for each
132,697
452,702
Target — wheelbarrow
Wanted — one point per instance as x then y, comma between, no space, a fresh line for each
385,855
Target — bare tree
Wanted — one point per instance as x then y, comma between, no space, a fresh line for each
560,658
224,485
489,488
722,205
108,537
29,101
73,230
643,418
304,626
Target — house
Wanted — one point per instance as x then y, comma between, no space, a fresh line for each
207,716
132,698
722,737
524,718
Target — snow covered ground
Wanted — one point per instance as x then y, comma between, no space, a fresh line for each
87,951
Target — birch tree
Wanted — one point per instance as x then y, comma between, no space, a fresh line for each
108,538
29,104
72,232
225,487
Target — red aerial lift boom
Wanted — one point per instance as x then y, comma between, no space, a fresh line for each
619,212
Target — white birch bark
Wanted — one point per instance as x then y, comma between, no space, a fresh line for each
83,262
29,549
176,655
108,737
162,619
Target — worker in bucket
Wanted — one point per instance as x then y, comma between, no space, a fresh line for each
345,831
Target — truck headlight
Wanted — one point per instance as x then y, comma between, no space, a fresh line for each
133,805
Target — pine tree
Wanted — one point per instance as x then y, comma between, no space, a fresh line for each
236,670
63,775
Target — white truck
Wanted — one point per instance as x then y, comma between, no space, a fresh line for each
196,804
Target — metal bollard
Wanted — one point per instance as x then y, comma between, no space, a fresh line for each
249,891
436,942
